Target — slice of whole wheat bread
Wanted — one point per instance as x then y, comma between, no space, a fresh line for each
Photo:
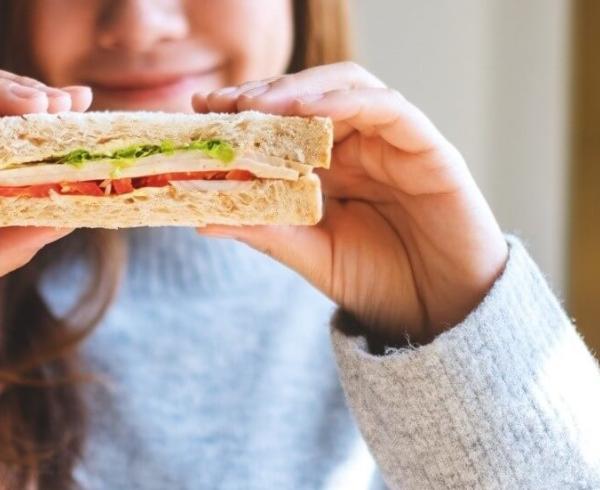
35,137
252,203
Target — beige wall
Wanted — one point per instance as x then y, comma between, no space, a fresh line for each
492,74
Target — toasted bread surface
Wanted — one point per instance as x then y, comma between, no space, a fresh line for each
251,203
36,137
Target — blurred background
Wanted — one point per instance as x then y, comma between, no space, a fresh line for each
511,83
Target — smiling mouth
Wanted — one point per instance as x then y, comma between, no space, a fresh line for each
143,85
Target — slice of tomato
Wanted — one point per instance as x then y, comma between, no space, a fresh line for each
214,175
239,175
162,180
203,175
81,189
42,190
122,186
151,181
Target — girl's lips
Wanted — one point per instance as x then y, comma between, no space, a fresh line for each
140,89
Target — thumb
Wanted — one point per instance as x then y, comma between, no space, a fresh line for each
18,245
305,249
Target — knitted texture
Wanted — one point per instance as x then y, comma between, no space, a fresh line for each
216,372
508,399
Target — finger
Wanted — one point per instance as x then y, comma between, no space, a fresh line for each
312,251
394,141
218,101
225,99
275,96
199,103
379,132
302,248
16,99
18,245
21,80
81,97
58,100
374,113
347,178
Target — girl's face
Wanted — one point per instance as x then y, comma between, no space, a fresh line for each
154,54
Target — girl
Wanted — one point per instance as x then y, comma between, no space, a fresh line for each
212,364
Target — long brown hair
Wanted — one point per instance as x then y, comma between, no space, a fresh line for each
42,417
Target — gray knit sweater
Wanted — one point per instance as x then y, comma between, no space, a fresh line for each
508,399
219,374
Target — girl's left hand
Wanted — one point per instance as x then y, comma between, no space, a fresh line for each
408,243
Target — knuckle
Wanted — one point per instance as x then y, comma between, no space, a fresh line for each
30,82
248,86
284,82
20,79
359,75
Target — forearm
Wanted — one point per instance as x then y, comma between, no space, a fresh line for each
507,399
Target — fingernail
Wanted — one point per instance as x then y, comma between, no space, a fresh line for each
309,99
255,92
54,92
24,92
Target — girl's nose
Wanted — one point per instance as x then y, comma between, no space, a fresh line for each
138,25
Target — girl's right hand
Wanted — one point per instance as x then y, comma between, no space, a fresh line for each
23,95
18,96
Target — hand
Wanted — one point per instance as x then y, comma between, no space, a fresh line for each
408,243
22,95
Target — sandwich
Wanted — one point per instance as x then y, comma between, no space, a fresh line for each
127,169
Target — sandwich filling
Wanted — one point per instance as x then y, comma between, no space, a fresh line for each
82,172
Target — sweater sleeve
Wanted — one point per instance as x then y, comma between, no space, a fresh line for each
510,398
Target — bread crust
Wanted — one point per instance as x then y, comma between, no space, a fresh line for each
35,137
253,203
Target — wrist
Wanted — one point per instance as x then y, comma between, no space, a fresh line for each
439,314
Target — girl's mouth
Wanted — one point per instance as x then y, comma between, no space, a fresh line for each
143,87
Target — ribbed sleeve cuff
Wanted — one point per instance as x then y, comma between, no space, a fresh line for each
510,398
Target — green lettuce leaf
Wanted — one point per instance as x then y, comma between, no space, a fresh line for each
214,149
136,151
167,147
124,157
76,158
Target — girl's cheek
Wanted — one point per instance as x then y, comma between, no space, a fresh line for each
61,37
257,37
